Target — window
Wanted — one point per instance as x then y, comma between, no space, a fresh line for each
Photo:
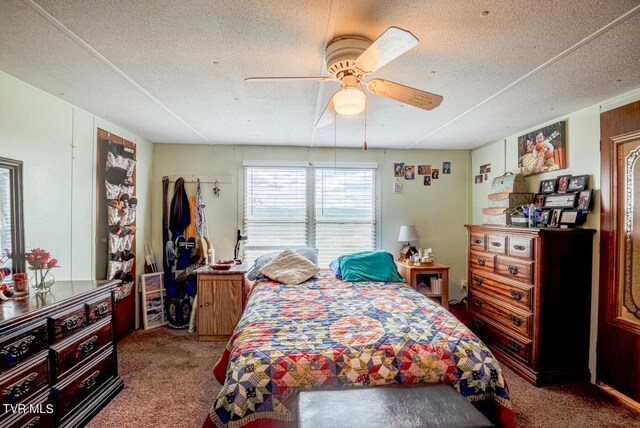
345,212
331,209
275,209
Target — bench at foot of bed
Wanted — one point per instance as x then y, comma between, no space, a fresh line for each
434,406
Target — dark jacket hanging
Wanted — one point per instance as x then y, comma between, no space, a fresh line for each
180,213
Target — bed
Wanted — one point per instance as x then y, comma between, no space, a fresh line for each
327,333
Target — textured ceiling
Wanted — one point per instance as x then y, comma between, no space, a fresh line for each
173,72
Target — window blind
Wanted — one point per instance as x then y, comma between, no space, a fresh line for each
275,209
345,212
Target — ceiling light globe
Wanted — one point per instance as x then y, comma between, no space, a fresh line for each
349,101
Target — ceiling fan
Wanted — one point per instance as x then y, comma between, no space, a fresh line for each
351,59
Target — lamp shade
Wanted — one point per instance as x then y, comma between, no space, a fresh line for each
407,234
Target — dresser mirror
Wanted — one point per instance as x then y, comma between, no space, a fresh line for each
11,216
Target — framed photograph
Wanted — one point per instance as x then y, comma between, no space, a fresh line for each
578,183
545,215
563,183
543,150
153,295
560,200
478,179
547,186
585,200
554,219
538,200
424,169
486,168
571,217
446,167
435,174
398,169
427,180
409,172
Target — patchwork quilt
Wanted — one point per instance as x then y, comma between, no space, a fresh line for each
327,333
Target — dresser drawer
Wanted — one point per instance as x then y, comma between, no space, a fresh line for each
69,393
478,241
19,344
38,413
67,322
497,244
515,269
482,261
99,309
493,336
518,295
79,347
24,381
502,313
521,246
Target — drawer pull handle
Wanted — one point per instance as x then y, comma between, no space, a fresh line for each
91,381
32,423
70,323
19,347
20,388
517,295
477,241
478,280
513,270
496,244
520,247
477,302
477,323
101,309
86,347
481,261
515,320
515,346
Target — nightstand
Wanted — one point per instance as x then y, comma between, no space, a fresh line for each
221,299
419,277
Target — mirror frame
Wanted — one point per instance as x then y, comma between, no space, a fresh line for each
17,215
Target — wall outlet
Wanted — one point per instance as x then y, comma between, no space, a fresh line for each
463,286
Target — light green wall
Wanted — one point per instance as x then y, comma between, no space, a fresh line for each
583,157
439,212
56,141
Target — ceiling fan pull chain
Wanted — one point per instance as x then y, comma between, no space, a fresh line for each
365,127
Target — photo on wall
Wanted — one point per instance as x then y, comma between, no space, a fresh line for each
409,172
424,169
398,169
543,150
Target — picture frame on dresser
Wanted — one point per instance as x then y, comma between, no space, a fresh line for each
547,186
563,183
578,183
554,218
153,300
560,200
585,200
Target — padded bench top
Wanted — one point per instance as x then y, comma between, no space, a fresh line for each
427,405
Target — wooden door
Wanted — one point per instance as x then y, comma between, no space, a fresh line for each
227,305
618,349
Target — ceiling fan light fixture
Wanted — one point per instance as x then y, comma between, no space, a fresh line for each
349,101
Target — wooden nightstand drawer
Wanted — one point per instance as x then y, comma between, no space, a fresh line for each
502,313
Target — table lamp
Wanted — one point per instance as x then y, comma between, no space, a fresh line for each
407,234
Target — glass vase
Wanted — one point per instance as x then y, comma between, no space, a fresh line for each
41,280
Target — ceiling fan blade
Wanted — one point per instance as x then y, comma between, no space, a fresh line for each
404,94
328,115
290,78
389,46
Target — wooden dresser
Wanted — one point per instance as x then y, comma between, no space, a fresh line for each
221,298
529,298
57,355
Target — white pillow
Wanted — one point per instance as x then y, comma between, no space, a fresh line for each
289,267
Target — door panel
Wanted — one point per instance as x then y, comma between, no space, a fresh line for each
618,349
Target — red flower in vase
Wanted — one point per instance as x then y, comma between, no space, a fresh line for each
41,259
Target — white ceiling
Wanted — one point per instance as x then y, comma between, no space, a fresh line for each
173,72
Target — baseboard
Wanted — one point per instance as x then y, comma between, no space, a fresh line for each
627,401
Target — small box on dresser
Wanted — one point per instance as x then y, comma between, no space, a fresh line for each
530,298
57,355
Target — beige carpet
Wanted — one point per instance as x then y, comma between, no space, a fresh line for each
169,383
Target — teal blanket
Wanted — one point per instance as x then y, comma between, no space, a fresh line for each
369,266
